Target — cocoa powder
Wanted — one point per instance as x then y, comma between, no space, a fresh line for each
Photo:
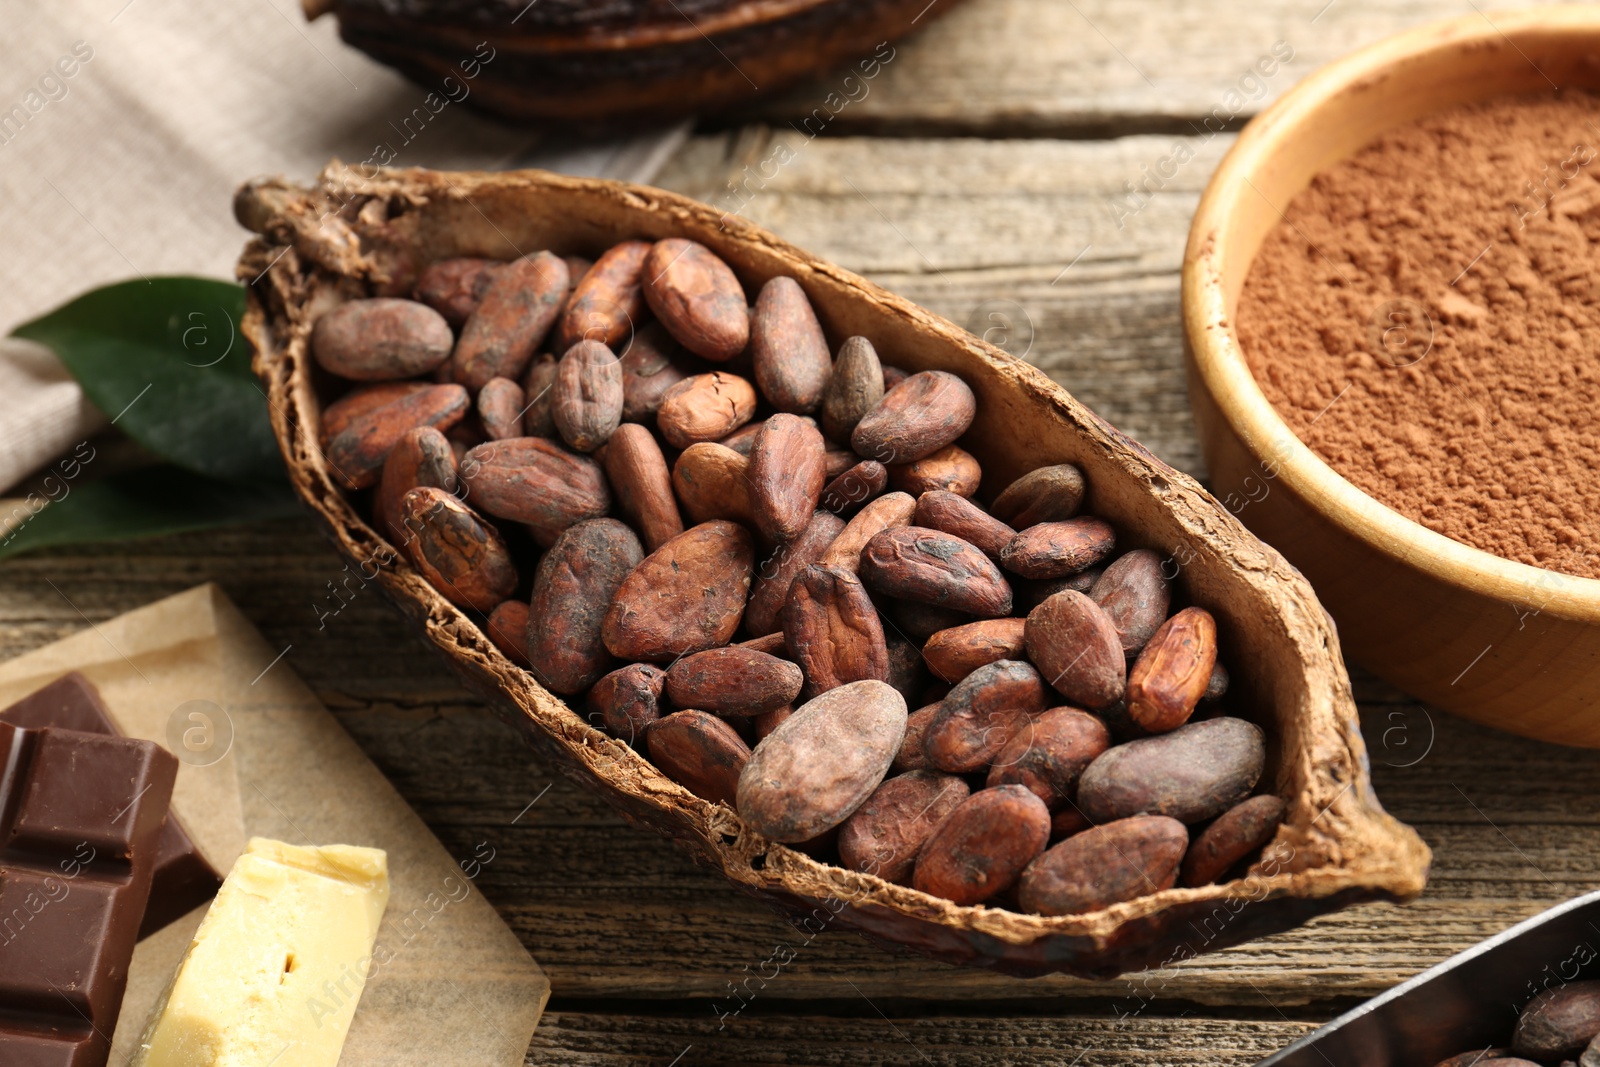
1426,317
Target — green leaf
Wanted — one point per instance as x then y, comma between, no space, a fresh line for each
165,360
147,502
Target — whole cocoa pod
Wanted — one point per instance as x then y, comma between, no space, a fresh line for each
916,418
788,352
512,318
686,596
886,832
1105,865
983,845
930,567
572,590
697,298
381,339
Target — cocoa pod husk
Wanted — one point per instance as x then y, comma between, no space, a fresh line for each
1057,549
460,554
1135,596
687,596
785,476
628,700
700,752
705,407
777,572
788,353
733,681
887,831
455,287
712,482
358,430
642,484
983,714
886,512
572,590
1051,754
697,298
1170,676
1242,829
954,514
381,339
1077,650
606,304
951,470
1105,865
535,481
983,845
954,653
916,418
929,567
516,312
855,388
500,405
832,629
1048,494
1192,774
586,402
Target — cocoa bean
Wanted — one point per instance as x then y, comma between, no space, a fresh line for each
1076,648
785,476
1066,822
886,512
382,339
919,622
687,595
361,402
512,318
905,666
586,401
577,267
454,287
916,418
1499,1057
769,721
832,629
572,590
700,752
697,298
1051,754
1028,594
422,457
359,430
1194,773
916,563
950,470
887,831
628,699
983,714
460,554
1057,549
537,482
954,653
983,845
857,485
712,482
913,754
642,484
1559,1023
822,762
954,514
1171,674
1105,865
705,407
1134,596
835,461
893,376
538,389
500,405
855,388
1237,832
777,572
1217,684
1048,494
733,681
606,304
788,352
508,629
651,365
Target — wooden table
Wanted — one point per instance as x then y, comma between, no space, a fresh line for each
981,174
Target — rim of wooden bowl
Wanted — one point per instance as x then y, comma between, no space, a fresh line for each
1209,305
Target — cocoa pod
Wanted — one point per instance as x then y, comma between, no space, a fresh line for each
572,590
1051,754
929,567
512,318
857,485
500,405
1134,596
454,287
983,714
822,762
606,303
712,482
381,340
954,514
733,681
687,595
769,721
913,754
1559,1023
916,418
886,512
950,470
628,699
788,353
832,629
642,484
854,388
983,845
460,554
1076,648
537,482
1194,773
508,629
777,573
586,401
700,752
538,390
1171,674
422,457
785,476
705,407
697,298
954,653
1048,494
1235,834
1057,549
652,364
887,831
358,430
919,622
1105,865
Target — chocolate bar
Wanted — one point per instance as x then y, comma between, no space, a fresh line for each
184,879
80,819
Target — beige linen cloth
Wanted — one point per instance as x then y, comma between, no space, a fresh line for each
126,125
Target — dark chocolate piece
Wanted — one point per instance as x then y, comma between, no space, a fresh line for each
80,819
184,879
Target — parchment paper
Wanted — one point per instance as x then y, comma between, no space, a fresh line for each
451,984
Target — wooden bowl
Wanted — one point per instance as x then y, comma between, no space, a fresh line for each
357,236
1498,642
626,62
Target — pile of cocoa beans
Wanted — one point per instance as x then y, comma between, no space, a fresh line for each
1560,1026
747,556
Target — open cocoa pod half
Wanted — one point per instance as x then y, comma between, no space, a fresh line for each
358,234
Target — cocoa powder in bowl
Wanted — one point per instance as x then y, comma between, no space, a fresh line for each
1426,318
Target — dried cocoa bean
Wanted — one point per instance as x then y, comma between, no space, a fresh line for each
893,376
919,622
887,512
1051,754
777,572
700,752
705,407
785,476
628,699
983,714
905,666
1076,648
1066,822
913,754
508,629
512,318
916,418
572,590
460,555
832,629
454,287
1134,596
983,845
1237,832
950,470
1171,674
1559,1023
359,430
1028,594
1497,1057
929,567
1217,684
586,402
500,405
857,485
712,482
642,484
822,762
422,457
538,390
769,721
606,304
954,653
381,340
652,364
855,388
697,298
537,482
788,352
1057,549
1105,865
733,681
886,832
1048,494
687,595
954,514
1194,773
835,461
